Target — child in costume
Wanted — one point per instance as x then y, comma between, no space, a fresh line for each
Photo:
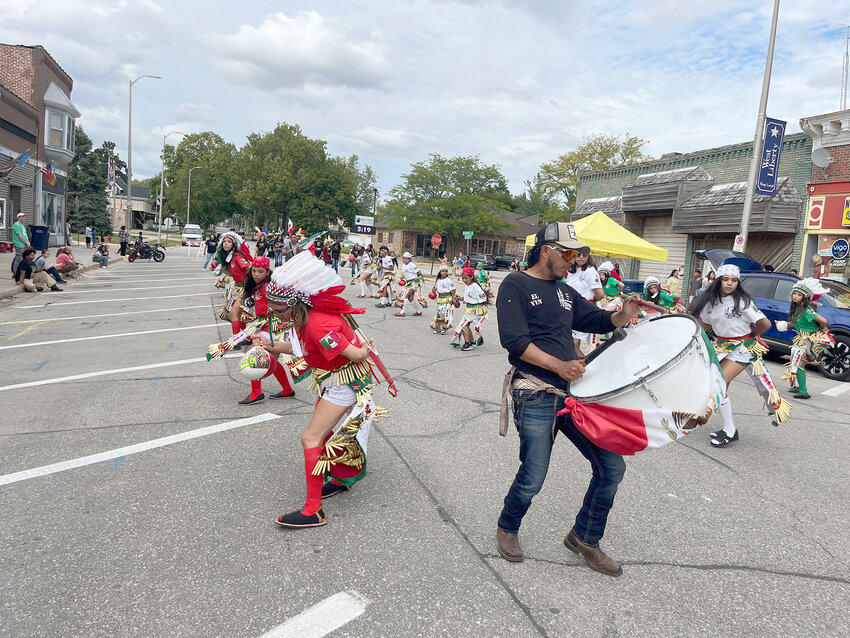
408,297
306,292
729,311
255,306
483,276
234,258
812,337
445,290
653,293
476,300
387,274
611,286
584,279
366,269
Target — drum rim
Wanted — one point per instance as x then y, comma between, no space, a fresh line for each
652,375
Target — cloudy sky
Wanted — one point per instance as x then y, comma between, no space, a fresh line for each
515,82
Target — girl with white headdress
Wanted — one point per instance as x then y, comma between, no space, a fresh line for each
305,292
444,292
408,296
812,337
234,258
727,309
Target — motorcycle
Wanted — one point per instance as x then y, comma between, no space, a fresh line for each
146,251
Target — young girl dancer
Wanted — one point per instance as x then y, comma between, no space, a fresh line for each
653,293
408,297
445,290
234,257
729,311
254,306
387,270
305,292
583,278
366,269
812,333
476,300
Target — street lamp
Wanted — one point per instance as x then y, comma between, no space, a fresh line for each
130,147
189,194
162,181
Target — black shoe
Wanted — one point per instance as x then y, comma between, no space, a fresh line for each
55,288
281,395
332,489
724,439
297,519
803,395
467,346
249,401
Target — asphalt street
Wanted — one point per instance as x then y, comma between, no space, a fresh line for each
177,537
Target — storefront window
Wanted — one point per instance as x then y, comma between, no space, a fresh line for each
51,212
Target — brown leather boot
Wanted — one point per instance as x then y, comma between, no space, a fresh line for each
508,546
595,558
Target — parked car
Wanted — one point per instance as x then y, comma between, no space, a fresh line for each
482,258
191,233
505,261
772,294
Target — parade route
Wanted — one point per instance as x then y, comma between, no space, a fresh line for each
138,498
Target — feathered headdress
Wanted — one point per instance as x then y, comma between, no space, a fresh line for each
810,287
239,245
607,266
307,279
650,281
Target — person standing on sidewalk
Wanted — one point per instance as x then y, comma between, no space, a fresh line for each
20,239
88,236
537,312
123,236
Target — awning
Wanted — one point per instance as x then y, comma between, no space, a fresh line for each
608,239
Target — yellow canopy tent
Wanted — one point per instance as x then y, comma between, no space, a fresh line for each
608,239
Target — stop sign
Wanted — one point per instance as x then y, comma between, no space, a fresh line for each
436,240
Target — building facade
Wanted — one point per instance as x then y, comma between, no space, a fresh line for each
143,211
828,197
693,201
36,117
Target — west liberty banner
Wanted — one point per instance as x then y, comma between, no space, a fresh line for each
774,134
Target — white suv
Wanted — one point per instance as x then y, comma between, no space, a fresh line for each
192,233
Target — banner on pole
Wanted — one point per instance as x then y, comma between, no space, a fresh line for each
774,135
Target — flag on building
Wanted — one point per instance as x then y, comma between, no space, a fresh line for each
49,175
20,160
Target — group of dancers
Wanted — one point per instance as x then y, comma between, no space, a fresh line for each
727,311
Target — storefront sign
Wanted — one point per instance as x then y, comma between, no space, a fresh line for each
840,248
838,265
845,218
815,217
774,135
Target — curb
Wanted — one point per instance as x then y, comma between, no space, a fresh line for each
16,290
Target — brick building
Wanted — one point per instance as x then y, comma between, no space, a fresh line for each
692,201
828,196
37,117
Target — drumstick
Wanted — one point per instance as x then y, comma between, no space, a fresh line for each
618,335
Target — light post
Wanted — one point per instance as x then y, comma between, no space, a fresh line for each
189,194
129,212
162,181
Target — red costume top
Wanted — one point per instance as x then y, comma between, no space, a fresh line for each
237,267
261,303
324,337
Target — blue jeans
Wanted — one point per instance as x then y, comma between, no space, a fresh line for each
208,260
535,420
103,261
278,257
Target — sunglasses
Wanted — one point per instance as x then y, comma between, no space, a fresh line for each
566,253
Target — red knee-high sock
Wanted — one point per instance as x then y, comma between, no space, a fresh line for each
242,325
314,483
235,326
256,389
280,374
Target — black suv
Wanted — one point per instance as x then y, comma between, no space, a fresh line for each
505,261
482,258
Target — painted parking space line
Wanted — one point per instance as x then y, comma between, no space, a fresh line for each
322,618
103,290
187,296
82,461
98,316
115,336
147,280
837,391
101,373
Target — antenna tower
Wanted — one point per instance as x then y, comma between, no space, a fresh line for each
845,69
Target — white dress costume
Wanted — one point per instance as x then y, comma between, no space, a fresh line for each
584,282
475,314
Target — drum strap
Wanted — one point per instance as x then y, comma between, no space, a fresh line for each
521,381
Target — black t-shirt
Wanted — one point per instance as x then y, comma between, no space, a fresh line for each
212,245
544,312
26,267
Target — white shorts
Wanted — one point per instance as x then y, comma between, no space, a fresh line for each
340,395
740,355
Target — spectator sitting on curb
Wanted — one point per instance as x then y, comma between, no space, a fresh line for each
66,263
101,256
28,279
41,265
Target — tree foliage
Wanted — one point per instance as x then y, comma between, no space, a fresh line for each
448,195
597,152
87,186
539,199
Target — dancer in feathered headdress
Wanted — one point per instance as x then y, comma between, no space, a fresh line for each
306,292
813,335
727,309
234,257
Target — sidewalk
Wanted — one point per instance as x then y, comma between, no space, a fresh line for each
8,288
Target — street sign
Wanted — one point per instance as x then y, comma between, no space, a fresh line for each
467,234
436,240
840,248
168,223
739,243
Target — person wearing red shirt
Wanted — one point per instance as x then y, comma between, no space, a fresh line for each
305,292
234,257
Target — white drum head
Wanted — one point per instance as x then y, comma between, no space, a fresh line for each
648,347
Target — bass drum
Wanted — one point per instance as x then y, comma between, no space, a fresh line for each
663,364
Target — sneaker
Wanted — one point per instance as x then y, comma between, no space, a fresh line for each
296,519
793,389
249,401
330,489
281,395
467,346
55,288
724,439
802,395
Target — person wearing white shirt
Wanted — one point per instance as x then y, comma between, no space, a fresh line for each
444,289
365,278
475,314
584,279
408,299
385,288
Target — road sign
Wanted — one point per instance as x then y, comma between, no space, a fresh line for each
840,248
467,234
436,240
168,223
739,243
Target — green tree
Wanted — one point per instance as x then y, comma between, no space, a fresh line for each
597,152
86,201
448,195
539,199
